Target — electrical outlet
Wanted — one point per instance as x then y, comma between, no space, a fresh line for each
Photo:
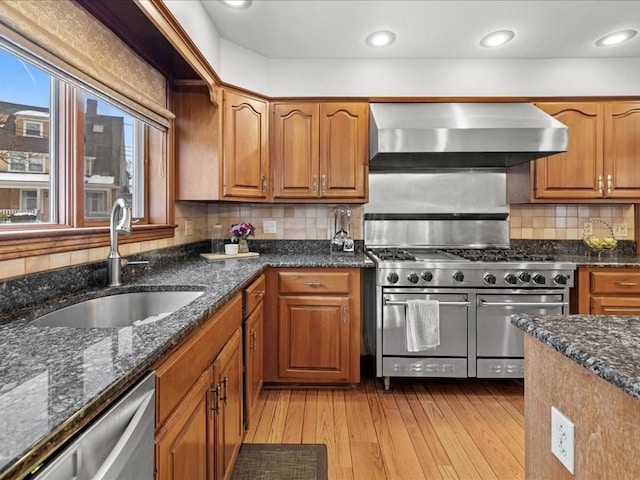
562,438
588,228
619,230
269,226
188,228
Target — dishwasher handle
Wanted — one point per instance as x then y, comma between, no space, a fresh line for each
143,419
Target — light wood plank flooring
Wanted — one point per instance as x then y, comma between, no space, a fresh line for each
432,429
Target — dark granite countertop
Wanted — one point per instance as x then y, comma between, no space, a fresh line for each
607,346
53,380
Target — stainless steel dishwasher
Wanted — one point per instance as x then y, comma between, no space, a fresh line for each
117,445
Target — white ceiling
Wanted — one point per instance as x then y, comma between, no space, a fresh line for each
428,29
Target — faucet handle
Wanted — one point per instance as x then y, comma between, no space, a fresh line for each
126,262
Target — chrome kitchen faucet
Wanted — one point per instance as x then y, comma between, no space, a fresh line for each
115,263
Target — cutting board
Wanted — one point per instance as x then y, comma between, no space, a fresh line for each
216,257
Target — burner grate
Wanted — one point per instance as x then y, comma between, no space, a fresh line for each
497,255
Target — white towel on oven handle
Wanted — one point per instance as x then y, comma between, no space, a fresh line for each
422,325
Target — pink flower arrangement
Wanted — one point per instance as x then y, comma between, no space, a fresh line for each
241,230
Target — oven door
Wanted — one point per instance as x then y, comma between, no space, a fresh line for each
499,344
453,324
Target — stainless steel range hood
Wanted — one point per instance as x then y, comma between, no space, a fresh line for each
460,135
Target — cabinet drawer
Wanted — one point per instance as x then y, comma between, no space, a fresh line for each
179,371
310,281
615,282
253,295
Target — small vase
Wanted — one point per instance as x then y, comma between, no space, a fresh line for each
243,246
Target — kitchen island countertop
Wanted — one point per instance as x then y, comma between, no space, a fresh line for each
53,380
608,346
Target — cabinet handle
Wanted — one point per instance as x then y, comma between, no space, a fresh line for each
264,183
627,284
314,283
254,340
345,315
314,183
259,294
600,185
215,396
609,184
225,383
324,182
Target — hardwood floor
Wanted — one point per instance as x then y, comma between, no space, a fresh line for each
431,429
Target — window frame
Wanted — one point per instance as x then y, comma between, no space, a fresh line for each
68,230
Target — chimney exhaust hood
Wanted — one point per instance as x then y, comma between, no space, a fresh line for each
424,136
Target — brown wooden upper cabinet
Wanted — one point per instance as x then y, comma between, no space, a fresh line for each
603,161
319,151
245,147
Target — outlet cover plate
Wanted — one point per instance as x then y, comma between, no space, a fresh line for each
188,228
619,230
269,226
562,439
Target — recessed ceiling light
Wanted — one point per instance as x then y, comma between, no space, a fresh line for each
497,39
615,38
236,3
381,38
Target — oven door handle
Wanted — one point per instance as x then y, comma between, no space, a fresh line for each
404,304
484,303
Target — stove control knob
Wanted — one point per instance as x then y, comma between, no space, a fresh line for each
525,276
489,278
392,277
560,279
427,276
539,279
510,279
413,278
458,277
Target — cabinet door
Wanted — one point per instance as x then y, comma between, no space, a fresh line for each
622,150
295,150
184,443
229,429
314,338
197,138
344,134
253,362
615,306
577,173
245,157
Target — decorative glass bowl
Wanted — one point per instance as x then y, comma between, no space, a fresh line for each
601,238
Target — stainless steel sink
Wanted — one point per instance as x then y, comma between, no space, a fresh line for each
120,310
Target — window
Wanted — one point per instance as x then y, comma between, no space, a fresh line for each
28,96
32,129
66,154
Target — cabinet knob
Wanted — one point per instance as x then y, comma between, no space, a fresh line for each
264,183
345,315
323,180
258,293
314,183
609,184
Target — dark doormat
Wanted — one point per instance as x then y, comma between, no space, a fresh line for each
281,461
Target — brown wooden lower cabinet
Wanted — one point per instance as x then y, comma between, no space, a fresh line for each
312,325
228,408
606,291
199,425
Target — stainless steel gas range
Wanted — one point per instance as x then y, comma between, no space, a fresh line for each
477,289
465,263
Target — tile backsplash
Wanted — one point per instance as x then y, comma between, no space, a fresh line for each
315,222
293,222
566,222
